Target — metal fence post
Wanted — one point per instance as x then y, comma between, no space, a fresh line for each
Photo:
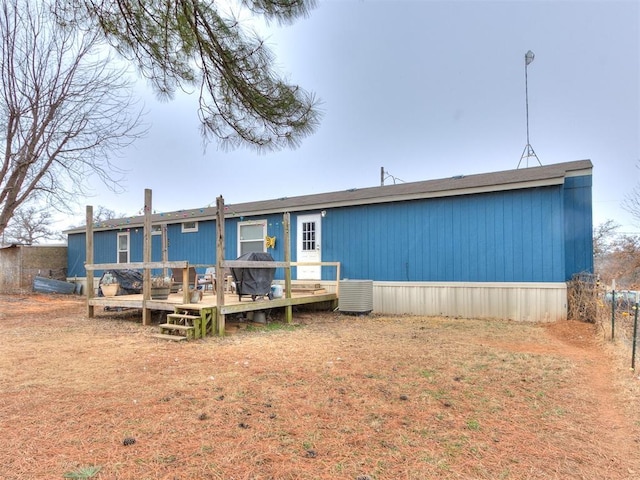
635,331
613,313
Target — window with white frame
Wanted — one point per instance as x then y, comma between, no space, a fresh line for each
156,229
123,247
308,236
188,227
251,236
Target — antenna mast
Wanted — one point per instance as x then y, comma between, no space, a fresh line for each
528,151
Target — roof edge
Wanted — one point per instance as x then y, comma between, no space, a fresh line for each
530,177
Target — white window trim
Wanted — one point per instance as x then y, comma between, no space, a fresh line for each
156,229
118,251
252,222
187,229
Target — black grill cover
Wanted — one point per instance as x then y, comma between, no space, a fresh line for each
254,281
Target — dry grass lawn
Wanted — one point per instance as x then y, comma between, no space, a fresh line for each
333,397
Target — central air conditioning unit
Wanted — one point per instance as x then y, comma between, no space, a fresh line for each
356,296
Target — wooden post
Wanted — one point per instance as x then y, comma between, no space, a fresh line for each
89,258
286,224
165,249
186,293
146,258
220,273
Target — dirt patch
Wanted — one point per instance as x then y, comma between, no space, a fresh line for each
333,397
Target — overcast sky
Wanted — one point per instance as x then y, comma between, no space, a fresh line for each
427,90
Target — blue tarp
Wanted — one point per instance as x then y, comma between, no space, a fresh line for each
130,281
51,285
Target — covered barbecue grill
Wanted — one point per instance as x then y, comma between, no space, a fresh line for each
253,281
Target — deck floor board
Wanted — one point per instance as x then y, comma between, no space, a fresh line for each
231,302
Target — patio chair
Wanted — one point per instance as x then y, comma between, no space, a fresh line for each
178,277
207,280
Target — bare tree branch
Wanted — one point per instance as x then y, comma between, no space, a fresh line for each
623,262
631,203
604,236
64,109
29,226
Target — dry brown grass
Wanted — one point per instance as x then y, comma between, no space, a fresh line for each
336,397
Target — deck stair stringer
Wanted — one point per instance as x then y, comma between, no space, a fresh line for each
183,324
190,320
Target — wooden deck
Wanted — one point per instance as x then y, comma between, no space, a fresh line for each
231,302
207,317
211,308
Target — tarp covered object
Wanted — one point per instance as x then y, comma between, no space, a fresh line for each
254,281
51,285
130,281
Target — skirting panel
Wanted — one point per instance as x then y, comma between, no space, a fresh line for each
528,302
531,302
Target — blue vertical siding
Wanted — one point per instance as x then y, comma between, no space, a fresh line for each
76,255
275,228
105,245
539,234
104,248
506,238
156,248
494,229
578,225
136,244
231,238
494,237
195,247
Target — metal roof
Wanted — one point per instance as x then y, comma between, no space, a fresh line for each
458,185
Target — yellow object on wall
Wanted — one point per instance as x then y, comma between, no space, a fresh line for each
270,242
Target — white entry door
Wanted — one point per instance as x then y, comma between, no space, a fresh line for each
309,246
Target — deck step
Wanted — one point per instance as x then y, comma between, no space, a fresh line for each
164,336
184,316
173,326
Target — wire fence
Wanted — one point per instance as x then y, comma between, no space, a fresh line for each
614,312
619,319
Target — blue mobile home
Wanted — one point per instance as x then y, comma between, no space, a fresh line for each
500,244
